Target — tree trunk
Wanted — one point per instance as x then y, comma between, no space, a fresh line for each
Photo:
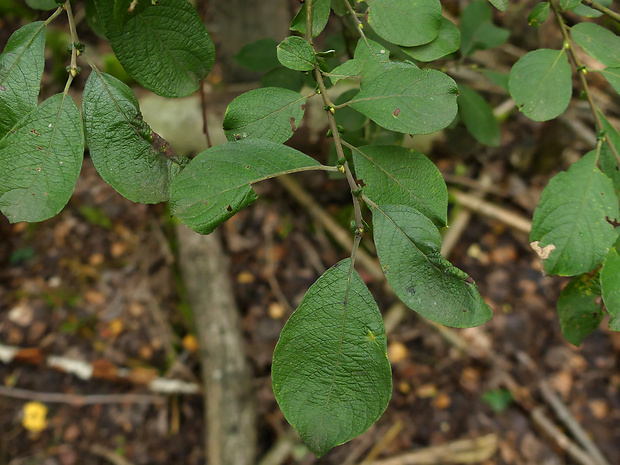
229,403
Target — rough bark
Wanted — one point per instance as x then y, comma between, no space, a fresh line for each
229,403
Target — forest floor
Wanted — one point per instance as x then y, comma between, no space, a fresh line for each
98,287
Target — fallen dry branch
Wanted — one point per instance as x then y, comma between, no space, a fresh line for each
229,403
462,451
490,210
571,423
99,369
78,400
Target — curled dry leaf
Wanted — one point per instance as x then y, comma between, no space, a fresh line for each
542,252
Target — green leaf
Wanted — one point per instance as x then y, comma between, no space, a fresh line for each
348,118
216,184
608,162
295,53
610,284
399,176
339,7
598,42
478,117
165,47
126,152
320,15
405,22
501,5
21,70
42,4
539,14
498,399
412,101
409,249
259,56
588,12
477,29
93,19
540,84
566,5
283,77
370,60
571,229
269,113
579,308
330,373
40,160
499,79
447,41
613,77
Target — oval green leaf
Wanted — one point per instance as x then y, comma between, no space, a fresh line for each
478,117
405,22
447,41
501,5
571,228
126,152
539,14
477,29
398,176
409,249
330,372
295,53
598,42
259,55
610,284
586,11
370,60
163,46
268,113
540,84
320,16
40,160
217,183
613,77
21,70
410,100
579,308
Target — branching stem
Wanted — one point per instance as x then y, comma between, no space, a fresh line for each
54,15
329,110
581,72
603,9
73,68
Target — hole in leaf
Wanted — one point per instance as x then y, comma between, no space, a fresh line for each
229,209
2,88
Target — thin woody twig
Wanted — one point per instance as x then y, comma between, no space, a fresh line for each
571,423
78,399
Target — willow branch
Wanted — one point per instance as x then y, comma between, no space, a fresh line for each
602,8
581,72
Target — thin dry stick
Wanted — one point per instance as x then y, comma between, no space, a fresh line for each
79,400
341,236
560,439
462,219
490,210
108,454
388,437
462,451
569,420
